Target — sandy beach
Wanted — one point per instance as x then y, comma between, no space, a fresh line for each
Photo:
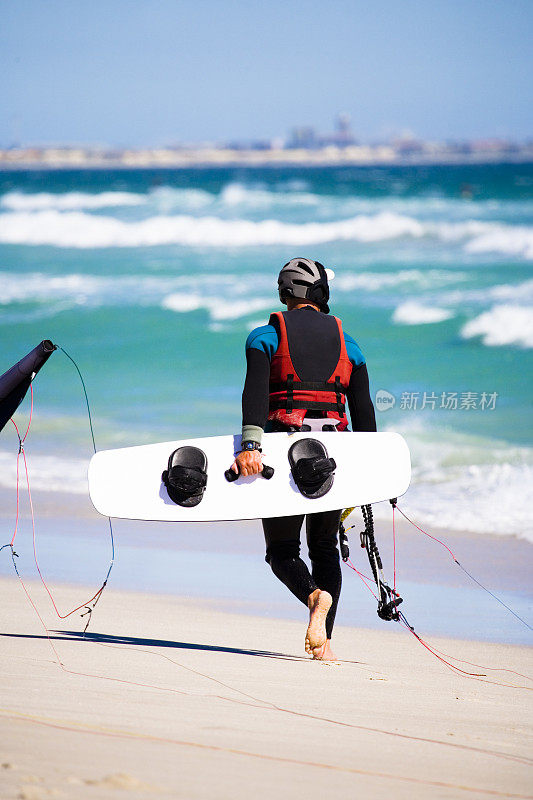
170,697
161,171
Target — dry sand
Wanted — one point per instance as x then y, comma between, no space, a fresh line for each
169,698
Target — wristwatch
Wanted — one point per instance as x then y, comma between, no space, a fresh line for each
250,446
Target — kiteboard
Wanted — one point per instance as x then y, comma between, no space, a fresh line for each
369,468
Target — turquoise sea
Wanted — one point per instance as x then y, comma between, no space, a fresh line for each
151,280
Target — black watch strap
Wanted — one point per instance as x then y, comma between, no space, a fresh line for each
249,445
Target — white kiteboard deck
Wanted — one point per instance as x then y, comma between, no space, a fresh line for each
371,467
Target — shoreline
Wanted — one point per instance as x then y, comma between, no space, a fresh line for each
168,697
255,161
224,562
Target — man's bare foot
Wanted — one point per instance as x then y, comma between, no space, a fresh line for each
324,653
319,603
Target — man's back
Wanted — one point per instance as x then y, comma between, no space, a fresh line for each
314,342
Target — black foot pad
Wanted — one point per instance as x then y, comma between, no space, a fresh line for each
311,468
186,476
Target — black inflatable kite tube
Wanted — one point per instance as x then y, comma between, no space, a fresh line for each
16,381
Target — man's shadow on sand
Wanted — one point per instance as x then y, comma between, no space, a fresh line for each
105,638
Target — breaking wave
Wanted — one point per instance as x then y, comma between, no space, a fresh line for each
48,473
413,313
44,224
45,201
227,296
264,197
519,293
237,195
513,241
218,309
375,281
184,293
80,230
79,289
217,294
502,325
482,498
461,482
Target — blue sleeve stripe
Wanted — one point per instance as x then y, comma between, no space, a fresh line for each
264,338
354,353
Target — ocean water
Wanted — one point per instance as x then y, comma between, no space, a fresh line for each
438,599
152,279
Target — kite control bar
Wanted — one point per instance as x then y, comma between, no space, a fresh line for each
388,605
230,475
388,599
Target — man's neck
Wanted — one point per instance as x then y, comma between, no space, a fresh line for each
292,307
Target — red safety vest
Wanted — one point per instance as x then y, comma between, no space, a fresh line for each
291,398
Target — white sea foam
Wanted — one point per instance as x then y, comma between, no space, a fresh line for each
238,194
47,473
482,498
167,199
465,483
218,309
80,289
261,196
486,237
417,278
164,198
77,229
514,241
515,293
145,289
182,303
235,309
44,201
374,281
502,325
228,296
413,313
216,293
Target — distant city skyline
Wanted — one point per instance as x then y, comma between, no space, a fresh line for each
130,73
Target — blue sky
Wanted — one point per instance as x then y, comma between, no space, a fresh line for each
150,72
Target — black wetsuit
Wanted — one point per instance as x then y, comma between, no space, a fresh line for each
313,346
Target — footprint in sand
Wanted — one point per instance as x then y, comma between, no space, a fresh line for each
122,780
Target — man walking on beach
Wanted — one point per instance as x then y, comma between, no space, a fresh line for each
301,370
